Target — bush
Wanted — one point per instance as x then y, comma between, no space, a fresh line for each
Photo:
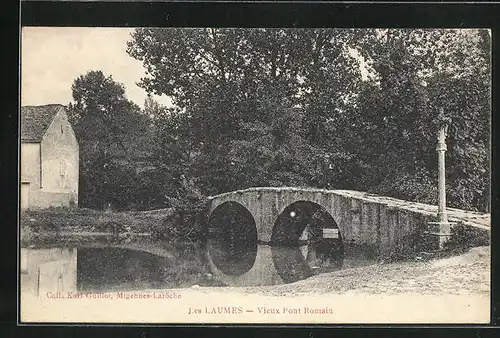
464,237
189,217
422,246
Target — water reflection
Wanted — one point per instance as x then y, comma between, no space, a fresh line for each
121,269
274,264
47,270
106,267
305,239
290,262
232,239
140,266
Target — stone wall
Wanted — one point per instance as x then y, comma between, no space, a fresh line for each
40,199
60,158
30,163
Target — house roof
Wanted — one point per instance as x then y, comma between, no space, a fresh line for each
35,120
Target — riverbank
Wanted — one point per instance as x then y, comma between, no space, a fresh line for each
68,224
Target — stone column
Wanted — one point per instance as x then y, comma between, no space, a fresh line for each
442,226
441,150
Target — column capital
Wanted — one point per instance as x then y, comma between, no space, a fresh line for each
441,146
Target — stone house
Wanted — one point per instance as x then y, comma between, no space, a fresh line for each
49,158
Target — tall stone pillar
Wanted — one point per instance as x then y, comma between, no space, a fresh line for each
443,227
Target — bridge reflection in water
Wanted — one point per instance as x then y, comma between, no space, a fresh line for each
114,267
305,240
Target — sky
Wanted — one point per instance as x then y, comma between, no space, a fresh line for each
53,57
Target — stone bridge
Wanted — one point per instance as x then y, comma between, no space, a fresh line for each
352,221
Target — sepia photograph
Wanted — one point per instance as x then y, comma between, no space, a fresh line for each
255,175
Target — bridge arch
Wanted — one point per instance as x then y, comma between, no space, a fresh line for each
232,238
298,242
300,216
267,209
266,204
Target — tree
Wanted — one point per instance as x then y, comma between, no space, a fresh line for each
227,82
417,73
291,107
108,128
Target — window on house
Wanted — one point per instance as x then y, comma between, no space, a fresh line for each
63,169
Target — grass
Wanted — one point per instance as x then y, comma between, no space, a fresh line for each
54,222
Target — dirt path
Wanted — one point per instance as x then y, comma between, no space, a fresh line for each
468,273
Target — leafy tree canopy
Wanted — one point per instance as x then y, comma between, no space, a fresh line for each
335,108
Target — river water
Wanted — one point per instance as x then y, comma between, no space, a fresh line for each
140,265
